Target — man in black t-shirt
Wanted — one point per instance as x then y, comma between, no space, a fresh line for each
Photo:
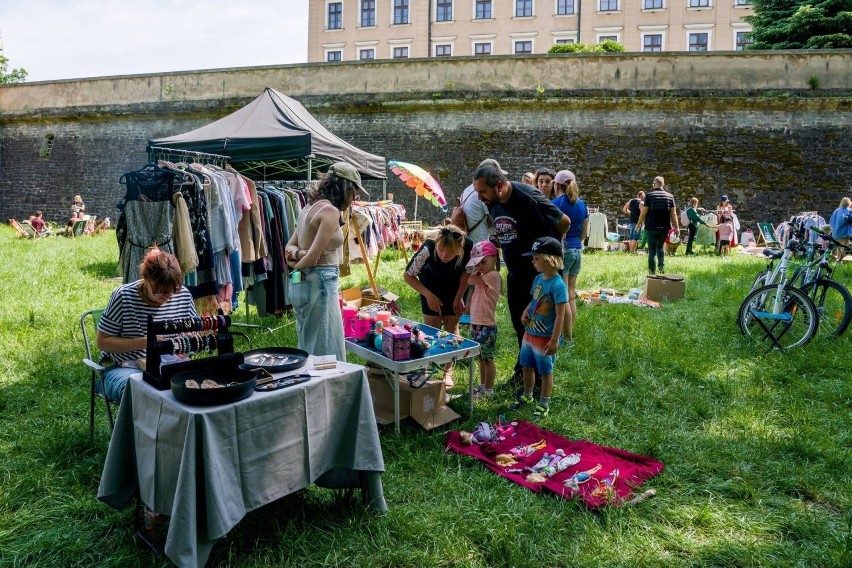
659,214
521,214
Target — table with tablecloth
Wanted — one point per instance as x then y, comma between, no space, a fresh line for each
206,467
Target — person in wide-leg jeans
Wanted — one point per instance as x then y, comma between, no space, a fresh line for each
318,319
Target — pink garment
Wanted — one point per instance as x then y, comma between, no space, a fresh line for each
726,232
486,292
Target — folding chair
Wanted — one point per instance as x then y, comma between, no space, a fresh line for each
21,230
97,371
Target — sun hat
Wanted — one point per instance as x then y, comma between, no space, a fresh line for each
348,172
545,245
481,250
564,176
724,198
493,162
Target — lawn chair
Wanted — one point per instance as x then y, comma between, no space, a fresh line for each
97,371
79,228
24,230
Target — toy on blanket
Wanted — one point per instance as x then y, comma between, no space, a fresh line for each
485,432
573,483
528,450
551,464
606,488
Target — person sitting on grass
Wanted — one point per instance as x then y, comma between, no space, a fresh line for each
543,319
487,287
438,273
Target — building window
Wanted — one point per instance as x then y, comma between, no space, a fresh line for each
368,13
443,50
652,42
523,8
482,49
743,40
698,42
607,38
335,15
483,10
523,47
564,7
334,56
653,5
444,11
400,11
400,52
367,54
743,2
561,41
608,5
699,3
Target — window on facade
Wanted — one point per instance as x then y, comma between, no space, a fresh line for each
523,47
483,9
743,2
482,49
743,39
367,54
652,42
444,11
699,3
400,11
564,7
608,5
400,52
607,38
653,4
334,56
561,41
523,8
698,42
335,15
368,13
443,50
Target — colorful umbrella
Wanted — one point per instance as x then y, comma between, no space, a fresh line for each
422,182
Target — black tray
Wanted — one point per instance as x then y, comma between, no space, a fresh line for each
275,359
240,384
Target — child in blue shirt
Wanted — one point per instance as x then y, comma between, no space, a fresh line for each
543,320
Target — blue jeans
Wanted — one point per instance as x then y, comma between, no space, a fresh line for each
656,251
319,323
115,380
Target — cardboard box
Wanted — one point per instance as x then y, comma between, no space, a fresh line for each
353,297
396,343
666,287
426,405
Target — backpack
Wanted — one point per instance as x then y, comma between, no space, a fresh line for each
457,216
684,218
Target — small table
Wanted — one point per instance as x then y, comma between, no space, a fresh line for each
206,467
468,349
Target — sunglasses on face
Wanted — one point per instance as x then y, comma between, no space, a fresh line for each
546,172
453,234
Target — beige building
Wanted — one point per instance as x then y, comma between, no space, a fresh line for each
348,30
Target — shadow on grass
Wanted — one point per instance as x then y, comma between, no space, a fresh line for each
105,270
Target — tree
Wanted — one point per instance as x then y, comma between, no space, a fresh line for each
801,24
13,76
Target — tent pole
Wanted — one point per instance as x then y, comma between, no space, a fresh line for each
416,197
310,167
384,189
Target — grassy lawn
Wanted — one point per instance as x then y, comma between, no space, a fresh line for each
756,446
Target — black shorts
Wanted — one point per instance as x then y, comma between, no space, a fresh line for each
446,306
724,243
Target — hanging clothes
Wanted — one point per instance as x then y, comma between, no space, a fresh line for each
597,230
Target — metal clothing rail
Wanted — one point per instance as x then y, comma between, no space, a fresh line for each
216,158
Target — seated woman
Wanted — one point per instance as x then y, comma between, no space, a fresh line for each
438,273
122,330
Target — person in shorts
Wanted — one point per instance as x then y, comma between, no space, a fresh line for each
487,288
543,319
569,202
633,208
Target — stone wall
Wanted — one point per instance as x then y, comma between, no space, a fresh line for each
760,136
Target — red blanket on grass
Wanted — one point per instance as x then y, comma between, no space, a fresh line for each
633,468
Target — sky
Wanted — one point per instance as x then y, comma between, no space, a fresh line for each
74,39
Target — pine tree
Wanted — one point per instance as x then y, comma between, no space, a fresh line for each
801,24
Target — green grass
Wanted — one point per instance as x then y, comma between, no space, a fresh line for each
756,446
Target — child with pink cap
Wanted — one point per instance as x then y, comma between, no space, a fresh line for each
488,286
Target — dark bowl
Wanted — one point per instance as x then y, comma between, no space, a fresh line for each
239,384
275,359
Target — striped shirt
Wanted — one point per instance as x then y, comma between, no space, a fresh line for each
126,315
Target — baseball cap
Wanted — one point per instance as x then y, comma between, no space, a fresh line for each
348,172
564,176
493,162
481,250
545,245
724,198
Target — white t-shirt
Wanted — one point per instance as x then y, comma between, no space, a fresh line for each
474,211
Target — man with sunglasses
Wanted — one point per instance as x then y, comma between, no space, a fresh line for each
521,214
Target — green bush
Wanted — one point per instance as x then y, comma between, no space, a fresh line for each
611,46
604,46
567,48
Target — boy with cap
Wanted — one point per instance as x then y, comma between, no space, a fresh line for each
483,310
543,320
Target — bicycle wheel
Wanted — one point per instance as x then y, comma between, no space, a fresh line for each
833,304
795,325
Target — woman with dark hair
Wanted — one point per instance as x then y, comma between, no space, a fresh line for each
544,181
123,327
313,254
438,273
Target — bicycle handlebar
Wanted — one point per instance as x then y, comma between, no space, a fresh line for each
831,239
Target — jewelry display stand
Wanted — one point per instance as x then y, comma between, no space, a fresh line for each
182,337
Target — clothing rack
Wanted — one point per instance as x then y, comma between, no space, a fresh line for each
162,151
183,338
